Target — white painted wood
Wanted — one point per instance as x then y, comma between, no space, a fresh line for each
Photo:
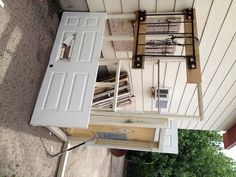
58,132
215,20
117,81
148,61
148,5
229,121
147,86
217,55
221,106
113,6
203,9
213,26
162,74
96,5
162,139
200,101
172,72
107,46
157,135
221,74
142,85
183,4
197,99
186,98
225,88
226,92
179,88
108,49
185,101
179,6
217,121
169,139
120,16
66,94
130,5
127,121
145,115
131,38
63,161
137,88
170,77
226,118
165,5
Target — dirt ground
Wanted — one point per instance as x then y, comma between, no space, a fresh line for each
27,32
94,162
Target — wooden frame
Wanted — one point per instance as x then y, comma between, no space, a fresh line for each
193,75
146,119
123,144
131,119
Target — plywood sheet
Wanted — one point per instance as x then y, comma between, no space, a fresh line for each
134,134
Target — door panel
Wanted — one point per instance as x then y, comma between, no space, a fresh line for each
171,139
65,97
54,91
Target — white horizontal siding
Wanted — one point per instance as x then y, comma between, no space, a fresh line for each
216,31
215,57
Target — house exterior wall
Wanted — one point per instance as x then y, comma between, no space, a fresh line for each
216,34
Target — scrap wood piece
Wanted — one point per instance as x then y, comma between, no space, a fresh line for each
193,75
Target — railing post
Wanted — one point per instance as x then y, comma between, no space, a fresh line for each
114,108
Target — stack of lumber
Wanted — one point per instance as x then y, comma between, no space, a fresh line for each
103,96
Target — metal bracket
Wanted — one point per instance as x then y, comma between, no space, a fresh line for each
189,14
191,62
142,15
138,61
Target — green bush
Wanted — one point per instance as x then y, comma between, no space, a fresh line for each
199,156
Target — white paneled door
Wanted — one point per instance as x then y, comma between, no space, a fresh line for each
67,90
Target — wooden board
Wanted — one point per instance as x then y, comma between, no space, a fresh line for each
128,144
193,75
133,133
140,49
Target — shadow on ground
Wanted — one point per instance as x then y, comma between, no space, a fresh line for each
25,46
27,32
